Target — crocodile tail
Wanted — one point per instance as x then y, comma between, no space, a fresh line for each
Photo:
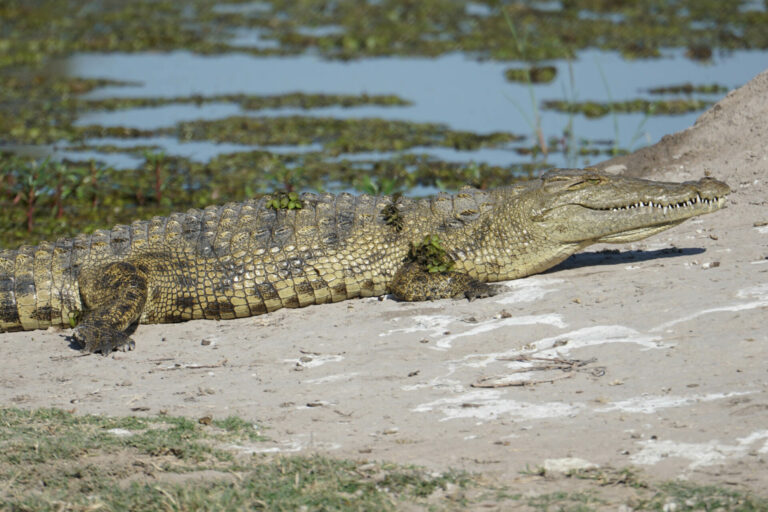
9,311
25,289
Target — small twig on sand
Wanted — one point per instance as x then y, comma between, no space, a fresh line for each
569,366
191,366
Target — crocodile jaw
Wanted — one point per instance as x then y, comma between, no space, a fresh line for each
585,208
654,218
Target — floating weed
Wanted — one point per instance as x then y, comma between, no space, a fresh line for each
45,28
593,109
337,136
700,52
249,102
689,88
533,74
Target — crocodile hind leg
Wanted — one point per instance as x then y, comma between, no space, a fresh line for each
113,297
413,283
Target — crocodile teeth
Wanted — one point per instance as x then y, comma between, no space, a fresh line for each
664,207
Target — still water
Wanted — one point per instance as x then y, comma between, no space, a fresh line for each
456,90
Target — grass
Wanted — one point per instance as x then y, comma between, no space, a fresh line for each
55,460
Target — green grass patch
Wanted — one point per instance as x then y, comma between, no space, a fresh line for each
55,460
690,497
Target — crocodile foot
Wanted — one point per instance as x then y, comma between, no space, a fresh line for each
113,298
101,338
412,283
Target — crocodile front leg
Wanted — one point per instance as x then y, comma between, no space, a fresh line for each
413,283
113,297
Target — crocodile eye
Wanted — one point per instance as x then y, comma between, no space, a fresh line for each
585,182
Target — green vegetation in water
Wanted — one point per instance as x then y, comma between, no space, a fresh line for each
430,255
74,197
689,88
533,74
41,110
336,135
250,102
285,201
383,186
593,109
34,30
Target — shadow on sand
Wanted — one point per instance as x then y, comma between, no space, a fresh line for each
616,257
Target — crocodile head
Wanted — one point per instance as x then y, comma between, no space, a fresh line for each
585,206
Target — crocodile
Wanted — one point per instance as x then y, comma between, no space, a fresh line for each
247,258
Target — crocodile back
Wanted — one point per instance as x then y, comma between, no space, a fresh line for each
242,259
238,259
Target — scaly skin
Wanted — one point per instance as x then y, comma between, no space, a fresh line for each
245,259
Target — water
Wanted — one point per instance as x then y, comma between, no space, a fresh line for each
456,90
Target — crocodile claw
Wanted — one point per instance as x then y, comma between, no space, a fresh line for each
94,338
480,290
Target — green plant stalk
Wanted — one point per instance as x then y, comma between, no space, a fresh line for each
158,181
31,204
612,110
94,186
570,142
59,204
639,130
536,125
